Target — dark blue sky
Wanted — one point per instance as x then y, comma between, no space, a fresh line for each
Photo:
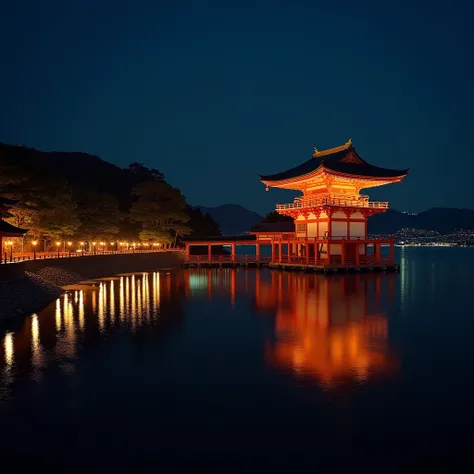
213,93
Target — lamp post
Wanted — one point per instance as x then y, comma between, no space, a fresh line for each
82,247
10,243
35,243
58,245
69,247
94,246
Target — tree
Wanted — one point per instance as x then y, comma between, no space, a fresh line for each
57,218
46,207
202,225
140,173
274,216
160,209
98,213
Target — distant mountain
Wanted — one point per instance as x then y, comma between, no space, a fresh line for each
441,219
235,219
232,218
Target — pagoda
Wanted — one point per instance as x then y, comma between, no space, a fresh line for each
331,214
8,230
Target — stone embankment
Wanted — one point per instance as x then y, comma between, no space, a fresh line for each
43,279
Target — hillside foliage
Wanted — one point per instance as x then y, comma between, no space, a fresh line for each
80,196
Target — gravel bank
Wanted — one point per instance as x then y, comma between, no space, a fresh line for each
25,296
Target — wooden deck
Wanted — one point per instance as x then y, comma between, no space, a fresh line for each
225,261
296,263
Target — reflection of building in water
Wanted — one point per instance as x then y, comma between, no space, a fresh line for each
329,328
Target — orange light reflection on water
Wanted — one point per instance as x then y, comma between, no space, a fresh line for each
324,329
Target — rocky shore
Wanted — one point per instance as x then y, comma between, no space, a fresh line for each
26,296
43,280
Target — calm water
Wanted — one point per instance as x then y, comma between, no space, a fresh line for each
247,369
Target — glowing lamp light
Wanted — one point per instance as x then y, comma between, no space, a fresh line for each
102,243
94,243
69,243
35,243
58,243
81,244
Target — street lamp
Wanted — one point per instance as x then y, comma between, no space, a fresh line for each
69,245
93,245
58,244
35,243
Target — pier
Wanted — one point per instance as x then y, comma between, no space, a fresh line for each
289,253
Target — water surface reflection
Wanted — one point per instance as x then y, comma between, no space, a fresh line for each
329,328
76,319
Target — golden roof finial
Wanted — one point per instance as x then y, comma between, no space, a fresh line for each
317,153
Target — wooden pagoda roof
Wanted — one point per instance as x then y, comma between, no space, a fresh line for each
224,239
7,229
273,228
342,160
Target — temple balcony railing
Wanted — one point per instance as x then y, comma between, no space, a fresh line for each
302,203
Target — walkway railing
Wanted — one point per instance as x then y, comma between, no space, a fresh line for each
22,257
301,203
335,260
227,259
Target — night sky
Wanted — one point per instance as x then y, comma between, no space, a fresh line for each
213,93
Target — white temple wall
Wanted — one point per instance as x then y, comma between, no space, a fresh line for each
312,229
357,229
338,229
323,227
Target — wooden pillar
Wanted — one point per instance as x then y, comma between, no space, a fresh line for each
357,253
279,250
232,246
186,246
392,251
328,249
343,253
377,251
307,251
257,252
209,251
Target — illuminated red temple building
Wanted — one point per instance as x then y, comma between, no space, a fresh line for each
8,230
329,228
331,214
